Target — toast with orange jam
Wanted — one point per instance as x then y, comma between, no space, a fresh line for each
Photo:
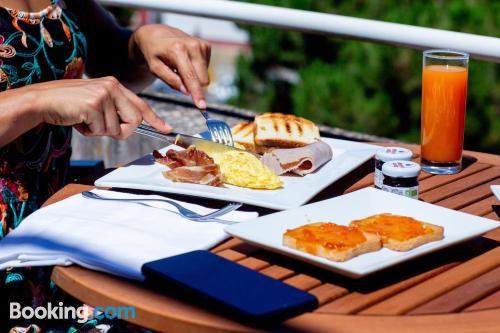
399,233
331,241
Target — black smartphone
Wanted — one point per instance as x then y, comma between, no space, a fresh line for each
229,288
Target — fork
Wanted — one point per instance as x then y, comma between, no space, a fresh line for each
219,130
183,211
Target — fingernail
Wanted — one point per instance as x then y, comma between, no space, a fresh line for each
183,89
202,104
168,127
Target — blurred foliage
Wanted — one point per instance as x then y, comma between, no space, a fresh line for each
364,86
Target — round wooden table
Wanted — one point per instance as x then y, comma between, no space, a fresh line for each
453,290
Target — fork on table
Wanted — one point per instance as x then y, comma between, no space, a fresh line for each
183,211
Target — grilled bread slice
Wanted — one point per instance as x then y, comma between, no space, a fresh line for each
243,133
331,241
399,233
284,131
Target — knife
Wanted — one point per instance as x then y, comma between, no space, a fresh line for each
184,141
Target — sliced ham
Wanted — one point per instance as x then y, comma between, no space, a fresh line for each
189,157
300,161
190,166
204,175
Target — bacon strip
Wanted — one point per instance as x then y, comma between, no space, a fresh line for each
190,166
204,175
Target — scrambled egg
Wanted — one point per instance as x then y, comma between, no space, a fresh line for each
246,170
239,146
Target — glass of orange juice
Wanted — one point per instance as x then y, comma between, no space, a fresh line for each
444,92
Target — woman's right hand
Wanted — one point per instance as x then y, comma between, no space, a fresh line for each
95,107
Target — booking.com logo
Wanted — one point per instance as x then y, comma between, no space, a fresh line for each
80,314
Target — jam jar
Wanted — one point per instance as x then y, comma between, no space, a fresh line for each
387,154
401,177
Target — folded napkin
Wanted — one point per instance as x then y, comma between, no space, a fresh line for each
110,236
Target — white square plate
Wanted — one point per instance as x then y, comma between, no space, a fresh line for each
144,174
496,190
267,231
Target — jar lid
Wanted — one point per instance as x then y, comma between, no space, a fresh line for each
401,169
386,154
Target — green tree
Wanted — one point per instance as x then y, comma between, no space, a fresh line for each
364,86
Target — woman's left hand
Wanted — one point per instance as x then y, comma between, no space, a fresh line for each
175,57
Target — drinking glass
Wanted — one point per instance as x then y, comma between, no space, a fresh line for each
444,93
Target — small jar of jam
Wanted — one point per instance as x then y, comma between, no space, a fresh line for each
401,177
387,154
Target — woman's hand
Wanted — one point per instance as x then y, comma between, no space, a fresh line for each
95,107
175,57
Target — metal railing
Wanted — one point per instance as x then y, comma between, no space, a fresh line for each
480,47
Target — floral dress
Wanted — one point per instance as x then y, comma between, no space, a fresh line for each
36,47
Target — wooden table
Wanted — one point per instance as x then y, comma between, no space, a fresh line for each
454,290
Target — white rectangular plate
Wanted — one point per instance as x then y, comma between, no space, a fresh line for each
267,231
144,174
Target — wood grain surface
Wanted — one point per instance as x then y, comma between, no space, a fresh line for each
453,290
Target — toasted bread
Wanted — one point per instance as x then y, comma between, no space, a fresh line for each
243,133
284,131
400,233
331,241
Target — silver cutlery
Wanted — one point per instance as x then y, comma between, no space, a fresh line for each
219,130
181,210
183,140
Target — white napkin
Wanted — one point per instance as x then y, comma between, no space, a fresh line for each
110,236
496,190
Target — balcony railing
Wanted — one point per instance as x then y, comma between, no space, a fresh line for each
479,47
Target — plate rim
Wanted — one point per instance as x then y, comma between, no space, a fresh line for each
368,147
357,273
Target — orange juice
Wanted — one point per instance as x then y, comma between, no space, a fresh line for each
444,92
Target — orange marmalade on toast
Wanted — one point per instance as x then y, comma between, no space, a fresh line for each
328,235
389,226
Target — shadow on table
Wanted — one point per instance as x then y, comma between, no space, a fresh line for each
340,186
467,161
392,275
496,209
